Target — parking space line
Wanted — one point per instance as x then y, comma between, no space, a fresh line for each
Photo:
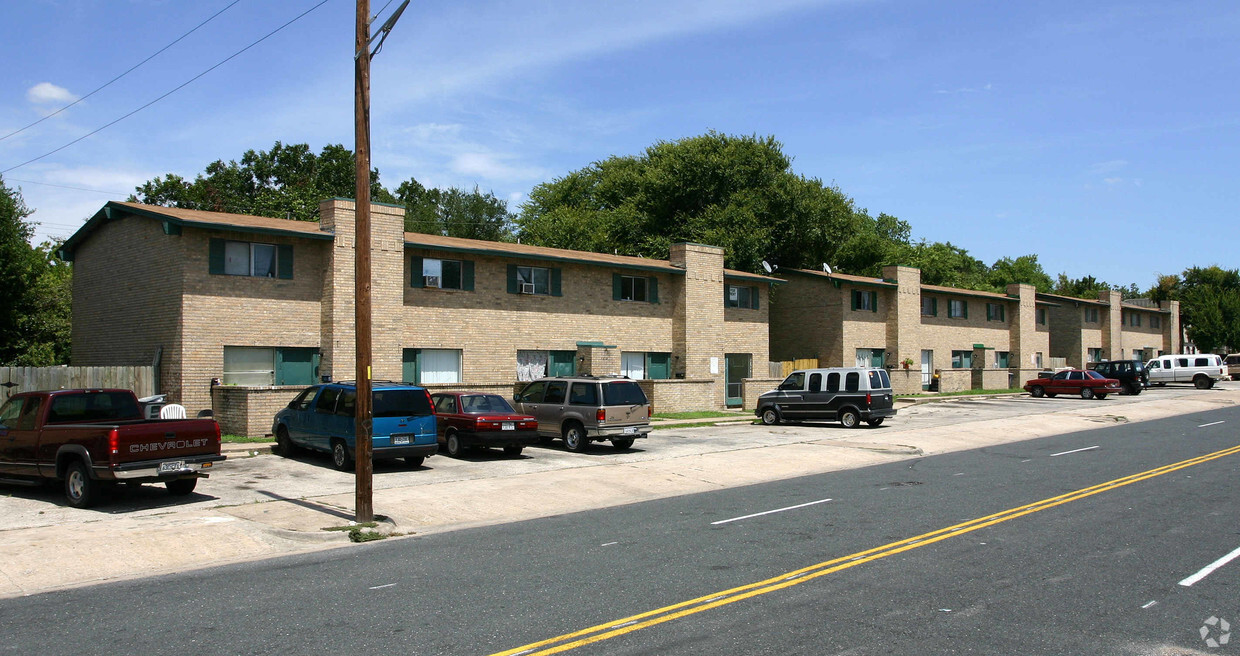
768,512
1213,423
1064,453
1209,569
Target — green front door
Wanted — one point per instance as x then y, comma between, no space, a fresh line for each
737,367
297,366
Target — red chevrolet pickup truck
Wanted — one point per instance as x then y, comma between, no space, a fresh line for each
94,437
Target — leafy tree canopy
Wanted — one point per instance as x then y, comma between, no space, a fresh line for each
1209,305
34,291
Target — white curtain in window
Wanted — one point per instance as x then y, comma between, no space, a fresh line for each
237,258
863,357
531,365
633,365
245,365
440,365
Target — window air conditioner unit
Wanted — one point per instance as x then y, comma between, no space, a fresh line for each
527,288
430,281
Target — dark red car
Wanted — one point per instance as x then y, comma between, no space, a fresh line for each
1089,384
468,419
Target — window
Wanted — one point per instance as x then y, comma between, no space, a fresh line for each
1155,321
995,312
583,394
870,357
962,359
1095,355
1041,313
327,401
1003,359
833,382
532,365
1201,362
879,380
302,402
736,296
957,309
852,381
9,412
441,274
865,300
623,392
424,366
243,258
30,414
541,281
1091,315
1037,360
533,393
266,366
795,381
634,288
1134,319
445,405
651,366
815,382
555,391
929,306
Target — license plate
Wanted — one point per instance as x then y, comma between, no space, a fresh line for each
171,466
508,425
400,439
631,430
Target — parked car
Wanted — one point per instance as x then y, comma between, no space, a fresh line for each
322,418
585,409
850,395
478,419
1233,365
1130,374
91,438
1089,384
1200,369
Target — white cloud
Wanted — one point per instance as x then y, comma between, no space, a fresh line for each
1109,166
490,166
984,88
1113,181
46,93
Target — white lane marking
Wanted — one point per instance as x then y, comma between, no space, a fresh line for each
1064,453
1209,569
608,544
1026,460
380,587
737,519
1149,604
1213,423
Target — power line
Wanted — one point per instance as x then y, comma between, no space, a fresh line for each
135,66
178,88
97,191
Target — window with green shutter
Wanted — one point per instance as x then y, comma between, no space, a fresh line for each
242,258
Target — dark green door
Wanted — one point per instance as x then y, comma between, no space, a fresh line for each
737,367
297,366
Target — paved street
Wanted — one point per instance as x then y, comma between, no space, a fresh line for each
896,561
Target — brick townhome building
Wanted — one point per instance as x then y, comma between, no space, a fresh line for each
263,306
972,339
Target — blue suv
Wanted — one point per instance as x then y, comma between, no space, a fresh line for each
322,418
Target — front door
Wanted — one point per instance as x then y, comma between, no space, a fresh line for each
927,369
737,367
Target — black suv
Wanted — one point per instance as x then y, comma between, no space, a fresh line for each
1131,374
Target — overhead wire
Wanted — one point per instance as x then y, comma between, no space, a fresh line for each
169,93
131,69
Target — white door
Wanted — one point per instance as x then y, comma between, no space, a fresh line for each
927,368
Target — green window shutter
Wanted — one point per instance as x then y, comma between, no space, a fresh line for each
934,307
284,262
617,284
409,365
555,282
654,289
513,286
467,275
964,305
855,297
873,301
753,297
415,272
989,314
215,256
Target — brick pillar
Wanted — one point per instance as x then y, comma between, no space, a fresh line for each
338,338
1113,325
697,324
904,316
1023,325
598,360
1171,331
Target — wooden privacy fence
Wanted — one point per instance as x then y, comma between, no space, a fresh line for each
26,379
788,366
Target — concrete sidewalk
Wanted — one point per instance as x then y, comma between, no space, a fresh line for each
105,547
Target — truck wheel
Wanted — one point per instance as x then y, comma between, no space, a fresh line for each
1037,392
875,422
284,444
181,486
80,489
575,437
849,418
1201,382
513,449
454,447
415,461
340,456
770,416
622,443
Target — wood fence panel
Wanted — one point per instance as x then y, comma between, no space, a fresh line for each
789,366
26,379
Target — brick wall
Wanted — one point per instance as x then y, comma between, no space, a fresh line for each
249,411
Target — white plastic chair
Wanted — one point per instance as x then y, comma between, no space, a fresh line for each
172,411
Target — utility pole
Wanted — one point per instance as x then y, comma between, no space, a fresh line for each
361,270
364,421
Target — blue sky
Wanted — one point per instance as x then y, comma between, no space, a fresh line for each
1102,136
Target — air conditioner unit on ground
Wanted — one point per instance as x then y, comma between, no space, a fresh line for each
527,288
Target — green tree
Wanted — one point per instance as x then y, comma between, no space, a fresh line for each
287,181
1086,287
34,291
1210,307
1024,269
43,334
454,212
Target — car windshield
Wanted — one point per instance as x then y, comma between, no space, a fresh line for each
623,393
476,404
401,403
1138,366
1095,375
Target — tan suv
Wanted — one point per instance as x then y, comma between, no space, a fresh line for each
585,409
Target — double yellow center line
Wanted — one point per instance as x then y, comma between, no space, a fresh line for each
647,619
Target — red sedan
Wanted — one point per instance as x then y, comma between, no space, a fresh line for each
468,419
1089,384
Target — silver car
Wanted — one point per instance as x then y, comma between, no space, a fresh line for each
585,409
